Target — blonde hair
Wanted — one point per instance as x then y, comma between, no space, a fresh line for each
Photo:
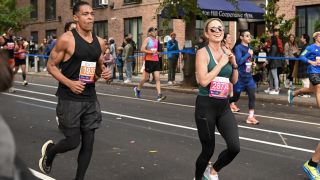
206,24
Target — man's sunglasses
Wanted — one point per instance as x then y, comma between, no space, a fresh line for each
216,29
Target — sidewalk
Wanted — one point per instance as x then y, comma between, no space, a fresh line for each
261,96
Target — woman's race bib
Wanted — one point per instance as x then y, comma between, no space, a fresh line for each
219,88
87,71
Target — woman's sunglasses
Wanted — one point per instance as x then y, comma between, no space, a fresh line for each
216,29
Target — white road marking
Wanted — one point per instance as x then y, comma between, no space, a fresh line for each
283,140
172,125
40,175
183,105
240,126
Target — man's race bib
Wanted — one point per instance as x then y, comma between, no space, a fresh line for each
10,45
219,88
87,71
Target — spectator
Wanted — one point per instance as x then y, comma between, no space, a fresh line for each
303,67
172,45
119,62
128,59
202,42
113,53
134,46
291,51
69,26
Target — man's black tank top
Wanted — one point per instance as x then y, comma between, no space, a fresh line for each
10,46
84,51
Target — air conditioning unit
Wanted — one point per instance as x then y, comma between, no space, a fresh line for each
103,2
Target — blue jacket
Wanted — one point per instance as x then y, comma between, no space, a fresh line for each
310,53
242,56
172,46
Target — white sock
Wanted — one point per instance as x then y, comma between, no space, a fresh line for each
251,113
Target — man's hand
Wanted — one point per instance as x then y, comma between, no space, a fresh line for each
106,73
76,87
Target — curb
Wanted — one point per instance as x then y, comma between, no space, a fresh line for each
176,88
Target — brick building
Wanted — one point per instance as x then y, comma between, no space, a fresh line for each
119,17
306,11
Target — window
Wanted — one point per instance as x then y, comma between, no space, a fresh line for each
95,3
50,9
132,1
34,36
34,11
100,28
307,18
73,2
50,33
133,26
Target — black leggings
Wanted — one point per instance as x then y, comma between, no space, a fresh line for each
71,142
251,94
209,113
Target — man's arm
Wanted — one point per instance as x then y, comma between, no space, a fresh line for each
144,47
57,55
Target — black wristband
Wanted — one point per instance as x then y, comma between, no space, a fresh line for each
235,67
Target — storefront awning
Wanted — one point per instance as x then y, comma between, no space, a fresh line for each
225,10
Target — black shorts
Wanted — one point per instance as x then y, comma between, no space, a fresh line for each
19,62
151,66
314,79
85,115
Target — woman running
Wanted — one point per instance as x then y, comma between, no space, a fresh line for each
215,68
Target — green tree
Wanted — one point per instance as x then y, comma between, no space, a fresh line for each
11,16
317,26
188,11
273,20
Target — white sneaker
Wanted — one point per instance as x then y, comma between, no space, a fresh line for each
25,83
306,96
44,69
214,177
287,83
267,90
274,92
170,82
206,174
128,81
12,90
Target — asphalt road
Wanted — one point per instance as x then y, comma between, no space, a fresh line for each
141,139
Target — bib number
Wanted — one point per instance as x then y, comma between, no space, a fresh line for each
219,88
87,71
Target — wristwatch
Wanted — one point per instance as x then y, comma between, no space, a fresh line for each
234,66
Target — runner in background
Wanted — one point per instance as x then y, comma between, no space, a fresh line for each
311,55
244,54
152,65
20,59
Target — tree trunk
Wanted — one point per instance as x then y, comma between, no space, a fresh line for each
189,78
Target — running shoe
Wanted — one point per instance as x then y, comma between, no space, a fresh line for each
234,108
267,90
12,90
25,83
161,97
290,96
252,120
312,172
206,174
44,165
136,92
274,92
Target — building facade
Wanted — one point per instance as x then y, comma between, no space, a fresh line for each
306,11
117,18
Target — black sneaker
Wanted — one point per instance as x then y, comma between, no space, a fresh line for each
45,166
161,97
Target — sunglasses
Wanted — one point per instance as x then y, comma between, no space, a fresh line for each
216,29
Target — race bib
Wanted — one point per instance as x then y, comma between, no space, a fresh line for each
87,71
219,88
10,45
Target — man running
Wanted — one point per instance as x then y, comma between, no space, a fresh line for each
152,65
20,59
310,55
311,167
9,45
245,82
79,53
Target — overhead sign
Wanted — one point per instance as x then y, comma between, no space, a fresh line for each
231,14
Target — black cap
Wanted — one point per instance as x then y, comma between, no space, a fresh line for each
152,29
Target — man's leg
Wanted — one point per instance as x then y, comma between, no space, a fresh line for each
85,153
317,93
